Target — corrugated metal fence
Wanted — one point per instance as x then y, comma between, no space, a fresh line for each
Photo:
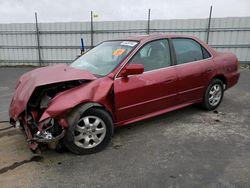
60,42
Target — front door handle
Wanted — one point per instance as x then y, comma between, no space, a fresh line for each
170,79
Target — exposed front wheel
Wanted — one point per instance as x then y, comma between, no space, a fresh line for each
213,95
89,132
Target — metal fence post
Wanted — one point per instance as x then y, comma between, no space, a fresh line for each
148,28
209,22
91,29
38,42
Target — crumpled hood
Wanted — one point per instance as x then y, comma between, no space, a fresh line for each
39,77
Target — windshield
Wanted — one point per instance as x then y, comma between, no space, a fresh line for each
102,59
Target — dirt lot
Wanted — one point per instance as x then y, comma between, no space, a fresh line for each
184,148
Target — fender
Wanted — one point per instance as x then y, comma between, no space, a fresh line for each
92,93
81,108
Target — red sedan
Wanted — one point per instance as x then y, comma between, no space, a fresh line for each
116,83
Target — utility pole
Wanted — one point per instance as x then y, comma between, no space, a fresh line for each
91,29
209,23
38,41
148,29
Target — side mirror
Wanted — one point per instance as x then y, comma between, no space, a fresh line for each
132,69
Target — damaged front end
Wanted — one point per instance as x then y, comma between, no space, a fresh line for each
34,93
51,129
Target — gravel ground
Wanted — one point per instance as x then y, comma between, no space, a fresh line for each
185,148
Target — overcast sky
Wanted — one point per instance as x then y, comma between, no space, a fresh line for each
16,11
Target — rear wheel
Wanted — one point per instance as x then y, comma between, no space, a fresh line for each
89,132
213,95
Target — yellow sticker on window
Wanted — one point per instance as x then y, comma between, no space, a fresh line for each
118,52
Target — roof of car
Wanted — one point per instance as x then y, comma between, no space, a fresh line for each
146,38
153,36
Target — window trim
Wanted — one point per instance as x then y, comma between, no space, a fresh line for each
203,48
174,53
171,63
170,52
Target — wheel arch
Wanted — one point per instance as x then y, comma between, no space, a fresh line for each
222,78
83,107
73,118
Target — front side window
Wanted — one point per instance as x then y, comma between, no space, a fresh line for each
188,50
153,55
105,57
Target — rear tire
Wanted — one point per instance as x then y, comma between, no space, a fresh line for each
89,132
213,95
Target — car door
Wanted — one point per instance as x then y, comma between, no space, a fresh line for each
150,92
193,67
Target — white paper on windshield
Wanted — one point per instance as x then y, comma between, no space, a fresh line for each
128,43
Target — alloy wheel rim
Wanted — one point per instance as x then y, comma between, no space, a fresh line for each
215,94
89,132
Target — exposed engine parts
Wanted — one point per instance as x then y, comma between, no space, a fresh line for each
43,95
43,135
45,101
50,130
46,137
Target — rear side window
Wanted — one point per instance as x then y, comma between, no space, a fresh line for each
188,50
206,54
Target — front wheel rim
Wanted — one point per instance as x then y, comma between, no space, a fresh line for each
89,132
215,94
